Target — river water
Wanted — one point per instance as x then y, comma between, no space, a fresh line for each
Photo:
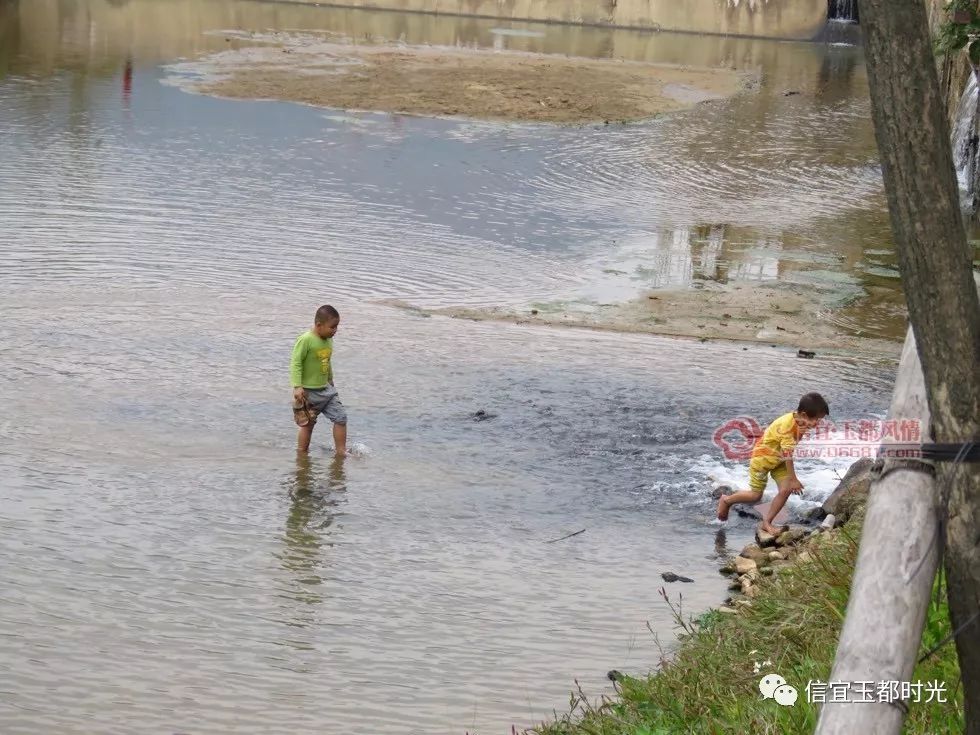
170,567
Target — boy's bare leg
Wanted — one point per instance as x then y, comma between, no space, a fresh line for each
303,438
340,439
725,502
775,506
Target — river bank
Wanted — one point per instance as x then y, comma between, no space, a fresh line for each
784,621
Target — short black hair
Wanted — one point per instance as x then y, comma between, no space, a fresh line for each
325,313
814,406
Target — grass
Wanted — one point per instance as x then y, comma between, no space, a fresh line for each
710,684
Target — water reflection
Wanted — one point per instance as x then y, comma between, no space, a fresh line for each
315,495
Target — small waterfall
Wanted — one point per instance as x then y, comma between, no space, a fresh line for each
965,144
843,11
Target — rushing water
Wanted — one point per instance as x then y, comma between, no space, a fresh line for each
170,567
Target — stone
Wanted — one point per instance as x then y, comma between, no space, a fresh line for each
742,603
735,585
751,592
724,609
764,538
743,565
756,554
829,522
814,515
775,556
720,490
767,571
804,556
793,536
856,481
746,586
728,567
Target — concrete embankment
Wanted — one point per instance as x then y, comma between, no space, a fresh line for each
785,19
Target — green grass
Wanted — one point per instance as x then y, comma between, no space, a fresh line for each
710,684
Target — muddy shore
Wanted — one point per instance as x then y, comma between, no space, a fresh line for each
449,82
753,313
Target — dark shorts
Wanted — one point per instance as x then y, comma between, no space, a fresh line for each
323,400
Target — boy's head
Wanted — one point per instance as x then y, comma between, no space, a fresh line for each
325,321
812,408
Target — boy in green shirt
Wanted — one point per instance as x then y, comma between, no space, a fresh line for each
312,380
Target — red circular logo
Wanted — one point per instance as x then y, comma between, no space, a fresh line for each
737,437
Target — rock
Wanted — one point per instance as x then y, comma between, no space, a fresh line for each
534,312
804,557
774,555
721,490
806,353
829,522
751,592
814,515
793,536
746,586
728,567
614,675
671,577
768,571
756,554
735,584
742,603
850,492
764,538
483,415
743,565
725,610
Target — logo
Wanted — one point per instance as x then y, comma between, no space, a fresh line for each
773,686
737,437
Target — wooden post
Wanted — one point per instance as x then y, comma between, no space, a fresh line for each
893,578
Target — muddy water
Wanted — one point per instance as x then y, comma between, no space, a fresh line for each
169,567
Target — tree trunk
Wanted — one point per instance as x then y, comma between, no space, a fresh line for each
937,274
890,591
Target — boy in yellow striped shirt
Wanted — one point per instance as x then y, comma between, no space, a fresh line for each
773,456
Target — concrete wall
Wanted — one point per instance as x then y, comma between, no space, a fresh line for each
787,19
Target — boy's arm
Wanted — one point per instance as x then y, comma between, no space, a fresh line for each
296,364
794,482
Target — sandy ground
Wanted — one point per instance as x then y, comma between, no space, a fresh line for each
477,84
761,314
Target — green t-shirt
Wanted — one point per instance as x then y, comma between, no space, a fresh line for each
310,363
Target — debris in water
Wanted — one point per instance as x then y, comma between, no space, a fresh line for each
483,415
807,354
671,577
565,537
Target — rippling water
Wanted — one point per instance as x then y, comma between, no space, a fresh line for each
169,567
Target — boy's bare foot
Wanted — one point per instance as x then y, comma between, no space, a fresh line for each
340,453
723,508
771,529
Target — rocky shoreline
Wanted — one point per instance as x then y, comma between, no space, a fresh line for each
795,545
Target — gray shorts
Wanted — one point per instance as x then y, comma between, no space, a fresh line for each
323,400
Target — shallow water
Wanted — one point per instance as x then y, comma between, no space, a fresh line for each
169,565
